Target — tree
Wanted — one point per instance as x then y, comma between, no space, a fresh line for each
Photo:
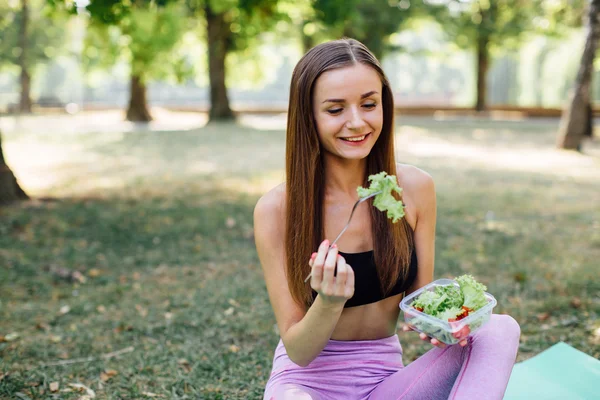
142,32
10,191
576,121
371,22
484,26
29,36
231,26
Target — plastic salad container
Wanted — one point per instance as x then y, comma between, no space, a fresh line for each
444,331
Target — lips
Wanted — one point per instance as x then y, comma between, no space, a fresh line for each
355,139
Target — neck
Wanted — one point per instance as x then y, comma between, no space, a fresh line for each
343,176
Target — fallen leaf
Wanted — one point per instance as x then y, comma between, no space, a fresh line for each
233,303
576,302
64,310
82,388
10,337
230,222
78,277
543,316
94,273
54,386
101,309
55,338
185,364
2,376
233,348
104,377
111,372
168,316
149,394
136,276
229,311
42,326
141,310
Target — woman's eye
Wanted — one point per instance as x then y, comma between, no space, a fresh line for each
334,111
370,106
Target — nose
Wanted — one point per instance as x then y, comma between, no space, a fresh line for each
356,121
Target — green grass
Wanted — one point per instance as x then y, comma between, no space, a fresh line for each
160,226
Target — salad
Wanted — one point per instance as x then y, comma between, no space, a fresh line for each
384,201
450,304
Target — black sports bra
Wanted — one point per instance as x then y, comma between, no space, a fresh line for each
367,288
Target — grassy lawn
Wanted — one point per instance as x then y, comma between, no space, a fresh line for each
140,280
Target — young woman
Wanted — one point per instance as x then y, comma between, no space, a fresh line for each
338,330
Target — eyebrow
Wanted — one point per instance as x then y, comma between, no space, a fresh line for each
362,96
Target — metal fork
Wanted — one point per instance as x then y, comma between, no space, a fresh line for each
348,224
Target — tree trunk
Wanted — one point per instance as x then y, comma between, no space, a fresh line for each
576,118
482,70
25,102
138,105
10,191
308,41
219,36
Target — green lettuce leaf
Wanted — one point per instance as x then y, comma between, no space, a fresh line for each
449,313
384,201
454,296
473,292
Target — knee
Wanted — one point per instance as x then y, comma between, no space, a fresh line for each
506,326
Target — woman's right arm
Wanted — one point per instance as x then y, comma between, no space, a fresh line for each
304,333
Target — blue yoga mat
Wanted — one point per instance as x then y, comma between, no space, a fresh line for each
560,372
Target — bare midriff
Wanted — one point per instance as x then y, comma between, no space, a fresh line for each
369,322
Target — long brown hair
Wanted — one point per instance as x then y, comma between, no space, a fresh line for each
305,171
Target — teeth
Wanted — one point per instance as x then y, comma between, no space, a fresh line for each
357,139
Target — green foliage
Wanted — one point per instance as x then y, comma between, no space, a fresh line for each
144,33
371,22
506,23
46,33
245,19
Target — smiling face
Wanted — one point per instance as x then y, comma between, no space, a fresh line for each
348,110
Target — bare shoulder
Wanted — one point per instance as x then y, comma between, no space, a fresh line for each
269,212
271,202
414,181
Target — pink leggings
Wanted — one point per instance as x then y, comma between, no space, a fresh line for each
373,369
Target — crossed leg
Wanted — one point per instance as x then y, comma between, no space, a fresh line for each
479,370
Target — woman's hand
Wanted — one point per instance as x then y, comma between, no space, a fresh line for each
435,342
336,289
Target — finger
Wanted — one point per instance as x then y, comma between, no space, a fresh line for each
405,328
312,259
329,268
463,342
322,253
317,266
437,343
340,276
349,288
423,336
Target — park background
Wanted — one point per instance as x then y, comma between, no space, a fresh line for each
138,135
